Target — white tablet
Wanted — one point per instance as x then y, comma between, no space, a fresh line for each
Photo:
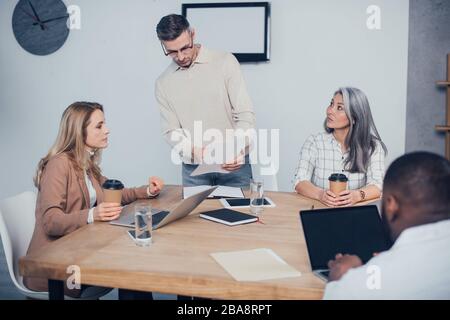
244,203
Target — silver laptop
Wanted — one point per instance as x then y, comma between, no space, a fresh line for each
161,218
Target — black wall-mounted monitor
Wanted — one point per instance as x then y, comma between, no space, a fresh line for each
241,28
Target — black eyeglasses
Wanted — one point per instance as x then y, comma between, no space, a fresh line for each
174,53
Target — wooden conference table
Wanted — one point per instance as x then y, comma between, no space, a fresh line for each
179,261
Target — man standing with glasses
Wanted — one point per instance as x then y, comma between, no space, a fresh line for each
201,86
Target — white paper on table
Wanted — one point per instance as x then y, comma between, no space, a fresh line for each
255,265
190,191
208,168
221,191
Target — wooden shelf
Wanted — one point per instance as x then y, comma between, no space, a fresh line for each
446,127
442,128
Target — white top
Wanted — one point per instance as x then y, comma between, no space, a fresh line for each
416,267
92,197
321,155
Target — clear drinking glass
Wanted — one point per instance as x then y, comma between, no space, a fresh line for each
256,196
143,224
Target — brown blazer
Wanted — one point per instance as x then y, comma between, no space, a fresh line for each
62,206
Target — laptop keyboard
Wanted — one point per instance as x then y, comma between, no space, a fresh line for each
157,217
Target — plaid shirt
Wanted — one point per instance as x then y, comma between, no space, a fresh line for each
321,156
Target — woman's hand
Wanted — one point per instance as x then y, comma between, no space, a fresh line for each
107,211
348,198
155,185
328,198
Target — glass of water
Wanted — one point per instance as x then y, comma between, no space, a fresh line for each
256,196
143,224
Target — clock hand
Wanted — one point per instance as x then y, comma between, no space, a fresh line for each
34,18
29,14
45,21
34,10
35,13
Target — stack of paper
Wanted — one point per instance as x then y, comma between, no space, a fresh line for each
255,265
221,192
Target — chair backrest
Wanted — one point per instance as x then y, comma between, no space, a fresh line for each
17,219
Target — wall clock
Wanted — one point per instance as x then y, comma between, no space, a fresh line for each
40,26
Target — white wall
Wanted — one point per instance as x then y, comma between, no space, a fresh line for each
115,58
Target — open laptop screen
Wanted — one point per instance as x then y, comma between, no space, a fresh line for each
352,230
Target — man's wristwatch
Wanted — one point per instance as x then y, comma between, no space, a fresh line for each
363,194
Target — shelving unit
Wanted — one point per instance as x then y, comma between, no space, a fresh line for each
446,127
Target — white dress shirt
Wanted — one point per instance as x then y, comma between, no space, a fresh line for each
321,155
416,267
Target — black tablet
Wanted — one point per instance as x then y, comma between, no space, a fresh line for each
244,203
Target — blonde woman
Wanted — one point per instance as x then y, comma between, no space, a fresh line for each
69,182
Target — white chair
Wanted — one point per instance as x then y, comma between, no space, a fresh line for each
17,219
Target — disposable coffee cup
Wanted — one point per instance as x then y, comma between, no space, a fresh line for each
112,191
338,183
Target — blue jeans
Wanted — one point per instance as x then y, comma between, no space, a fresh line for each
239,178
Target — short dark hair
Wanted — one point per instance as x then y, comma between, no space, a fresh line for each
171,27
421,179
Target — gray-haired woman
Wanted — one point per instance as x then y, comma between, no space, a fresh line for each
350,145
